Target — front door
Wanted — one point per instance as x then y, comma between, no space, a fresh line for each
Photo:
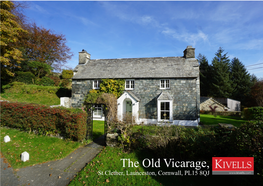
128,107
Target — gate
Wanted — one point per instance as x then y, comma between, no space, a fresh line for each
89,134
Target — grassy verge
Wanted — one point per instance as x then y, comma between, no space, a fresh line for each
98,128
40,148
207,119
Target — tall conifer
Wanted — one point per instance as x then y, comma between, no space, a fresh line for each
205,75
221,82
240,79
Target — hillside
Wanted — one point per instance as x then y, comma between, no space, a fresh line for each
45,95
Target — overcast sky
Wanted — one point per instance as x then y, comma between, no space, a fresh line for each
156,29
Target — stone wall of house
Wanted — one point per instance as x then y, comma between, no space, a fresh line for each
185,93
80,89
205,106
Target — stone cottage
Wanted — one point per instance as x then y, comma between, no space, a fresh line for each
157,89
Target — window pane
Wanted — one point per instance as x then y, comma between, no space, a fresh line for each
167,84
162,83
167,105
127,84
162,105
132,84
165,115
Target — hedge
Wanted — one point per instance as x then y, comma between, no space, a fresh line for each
30,117
67,74
253,113
46,81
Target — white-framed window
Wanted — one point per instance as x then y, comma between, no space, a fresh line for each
97,112
96,84
164,84
165,110
129,84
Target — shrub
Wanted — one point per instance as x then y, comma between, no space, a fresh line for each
64,83
55,79
31,117
67,74
25,77
253,113
46,81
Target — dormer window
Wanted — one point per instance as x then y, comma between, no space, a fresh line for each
165,84
96,84
129,84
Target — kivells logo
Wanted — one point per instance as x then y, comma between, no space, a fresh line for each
233,165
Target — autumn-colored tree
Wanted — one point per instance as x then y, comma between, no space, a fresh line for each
257,92
10,30
43,45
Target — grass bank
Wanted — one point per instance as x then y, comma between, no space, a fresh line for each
40,148
207,119
45,95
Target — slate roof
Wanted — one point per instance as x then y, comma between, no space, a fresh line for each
204,99
157,67
133,95
165,96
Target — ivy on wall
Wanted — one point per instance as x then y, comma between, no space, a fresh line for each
111,86
110,90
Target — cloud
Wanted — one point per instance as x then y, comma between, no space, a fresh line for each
38,8
191,38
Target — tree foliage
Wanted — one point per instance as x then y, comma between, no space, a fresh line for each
221,85
39,69
257,92
240,79
45,46
10,30
205,75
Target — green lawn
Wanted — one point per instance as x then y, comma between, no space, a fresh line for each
40,148
207,119
98,128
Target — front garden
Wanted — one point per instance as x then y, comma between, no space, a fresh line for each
41,148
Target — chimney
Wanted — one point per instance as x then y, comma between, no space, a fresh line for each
84,57
189,52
